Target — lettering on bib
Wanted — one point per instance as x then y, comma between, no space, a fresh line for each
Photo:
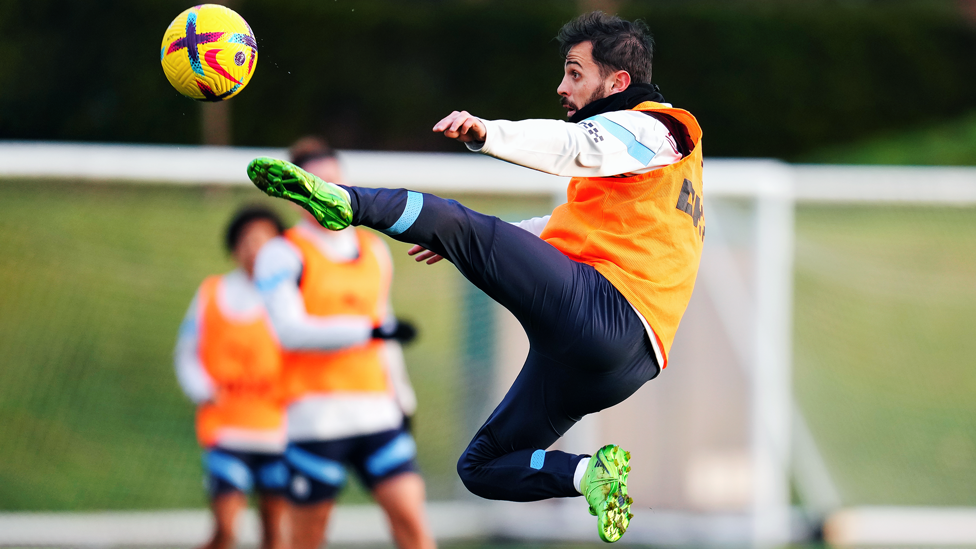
690,203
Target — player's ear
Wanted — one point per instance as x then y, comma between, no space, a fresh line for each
620,82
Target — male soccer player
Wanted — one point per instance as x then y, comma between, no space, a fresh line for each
228,361
327,294
599,291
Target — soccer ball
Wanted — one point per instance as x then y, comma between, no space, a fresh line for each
209,53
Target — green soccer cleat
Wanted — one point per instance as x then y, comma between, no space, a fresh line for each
604,486
327,202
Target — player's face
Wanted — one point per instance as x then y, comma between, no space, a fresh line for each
254,235
582,82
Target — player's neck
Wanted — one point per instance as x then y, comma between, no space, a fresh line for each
634,95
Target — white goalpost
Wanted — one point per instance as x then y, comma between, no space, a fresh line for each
718,438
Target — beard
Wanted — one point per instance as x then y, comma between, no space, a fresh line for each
571,107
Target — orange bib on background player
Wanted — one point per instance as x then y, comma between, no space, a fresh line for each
643,233
243,358
359,287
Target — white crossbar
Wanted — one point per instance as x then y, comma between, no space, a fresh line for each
434,172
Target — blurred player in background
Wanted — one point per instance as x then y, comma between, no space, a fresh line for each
328,296
599,286
228,362
314,155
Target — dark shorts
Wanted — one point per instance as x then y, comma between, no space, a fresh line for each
235,471
317,469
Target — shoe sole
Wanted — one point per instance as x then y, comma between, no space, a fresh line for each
616,518
282,179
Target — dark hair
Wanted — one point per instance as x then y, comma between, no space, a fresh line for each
617,44
246,215
309,148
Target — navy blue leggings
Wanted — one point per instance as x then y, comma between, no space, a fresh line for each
588,348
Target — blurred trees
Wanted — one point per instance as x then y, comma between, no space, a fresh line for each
765,78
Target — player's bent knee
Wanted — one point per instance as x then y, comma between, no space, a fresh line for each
464,471
470,471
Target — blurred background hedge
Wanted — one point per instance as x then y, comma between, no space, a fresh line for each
777,78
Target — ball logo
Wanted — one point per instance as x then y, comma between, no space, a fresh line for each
211,59
209,53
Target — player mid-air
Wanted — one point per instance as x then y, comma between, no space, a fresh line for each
599,286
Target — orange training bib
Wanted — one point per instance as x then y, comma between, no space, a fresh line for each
643,233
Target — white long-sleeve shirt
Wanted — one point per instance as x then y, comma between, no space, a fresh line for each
609,144
277,271
618,143
534,225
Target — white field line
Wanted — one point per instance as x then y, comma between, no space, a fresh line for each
558,520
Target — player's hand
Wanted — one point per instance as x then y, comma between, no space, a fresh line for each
423,253
462,126
400,330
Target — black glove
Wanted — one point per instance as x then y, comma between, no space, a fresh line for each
400,330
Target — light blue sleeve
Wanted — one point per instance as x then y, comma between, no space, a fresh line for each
190,371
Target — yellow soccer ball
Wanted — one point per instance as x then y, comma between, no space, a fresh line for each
209,53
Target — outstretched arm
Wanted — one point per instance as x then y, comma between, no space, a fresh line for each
614,143
277,270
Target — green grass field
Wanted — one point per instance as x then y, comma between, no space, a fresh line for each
94,280
885,312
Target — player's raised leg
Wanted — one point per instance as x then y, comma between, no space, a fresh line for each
468,239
